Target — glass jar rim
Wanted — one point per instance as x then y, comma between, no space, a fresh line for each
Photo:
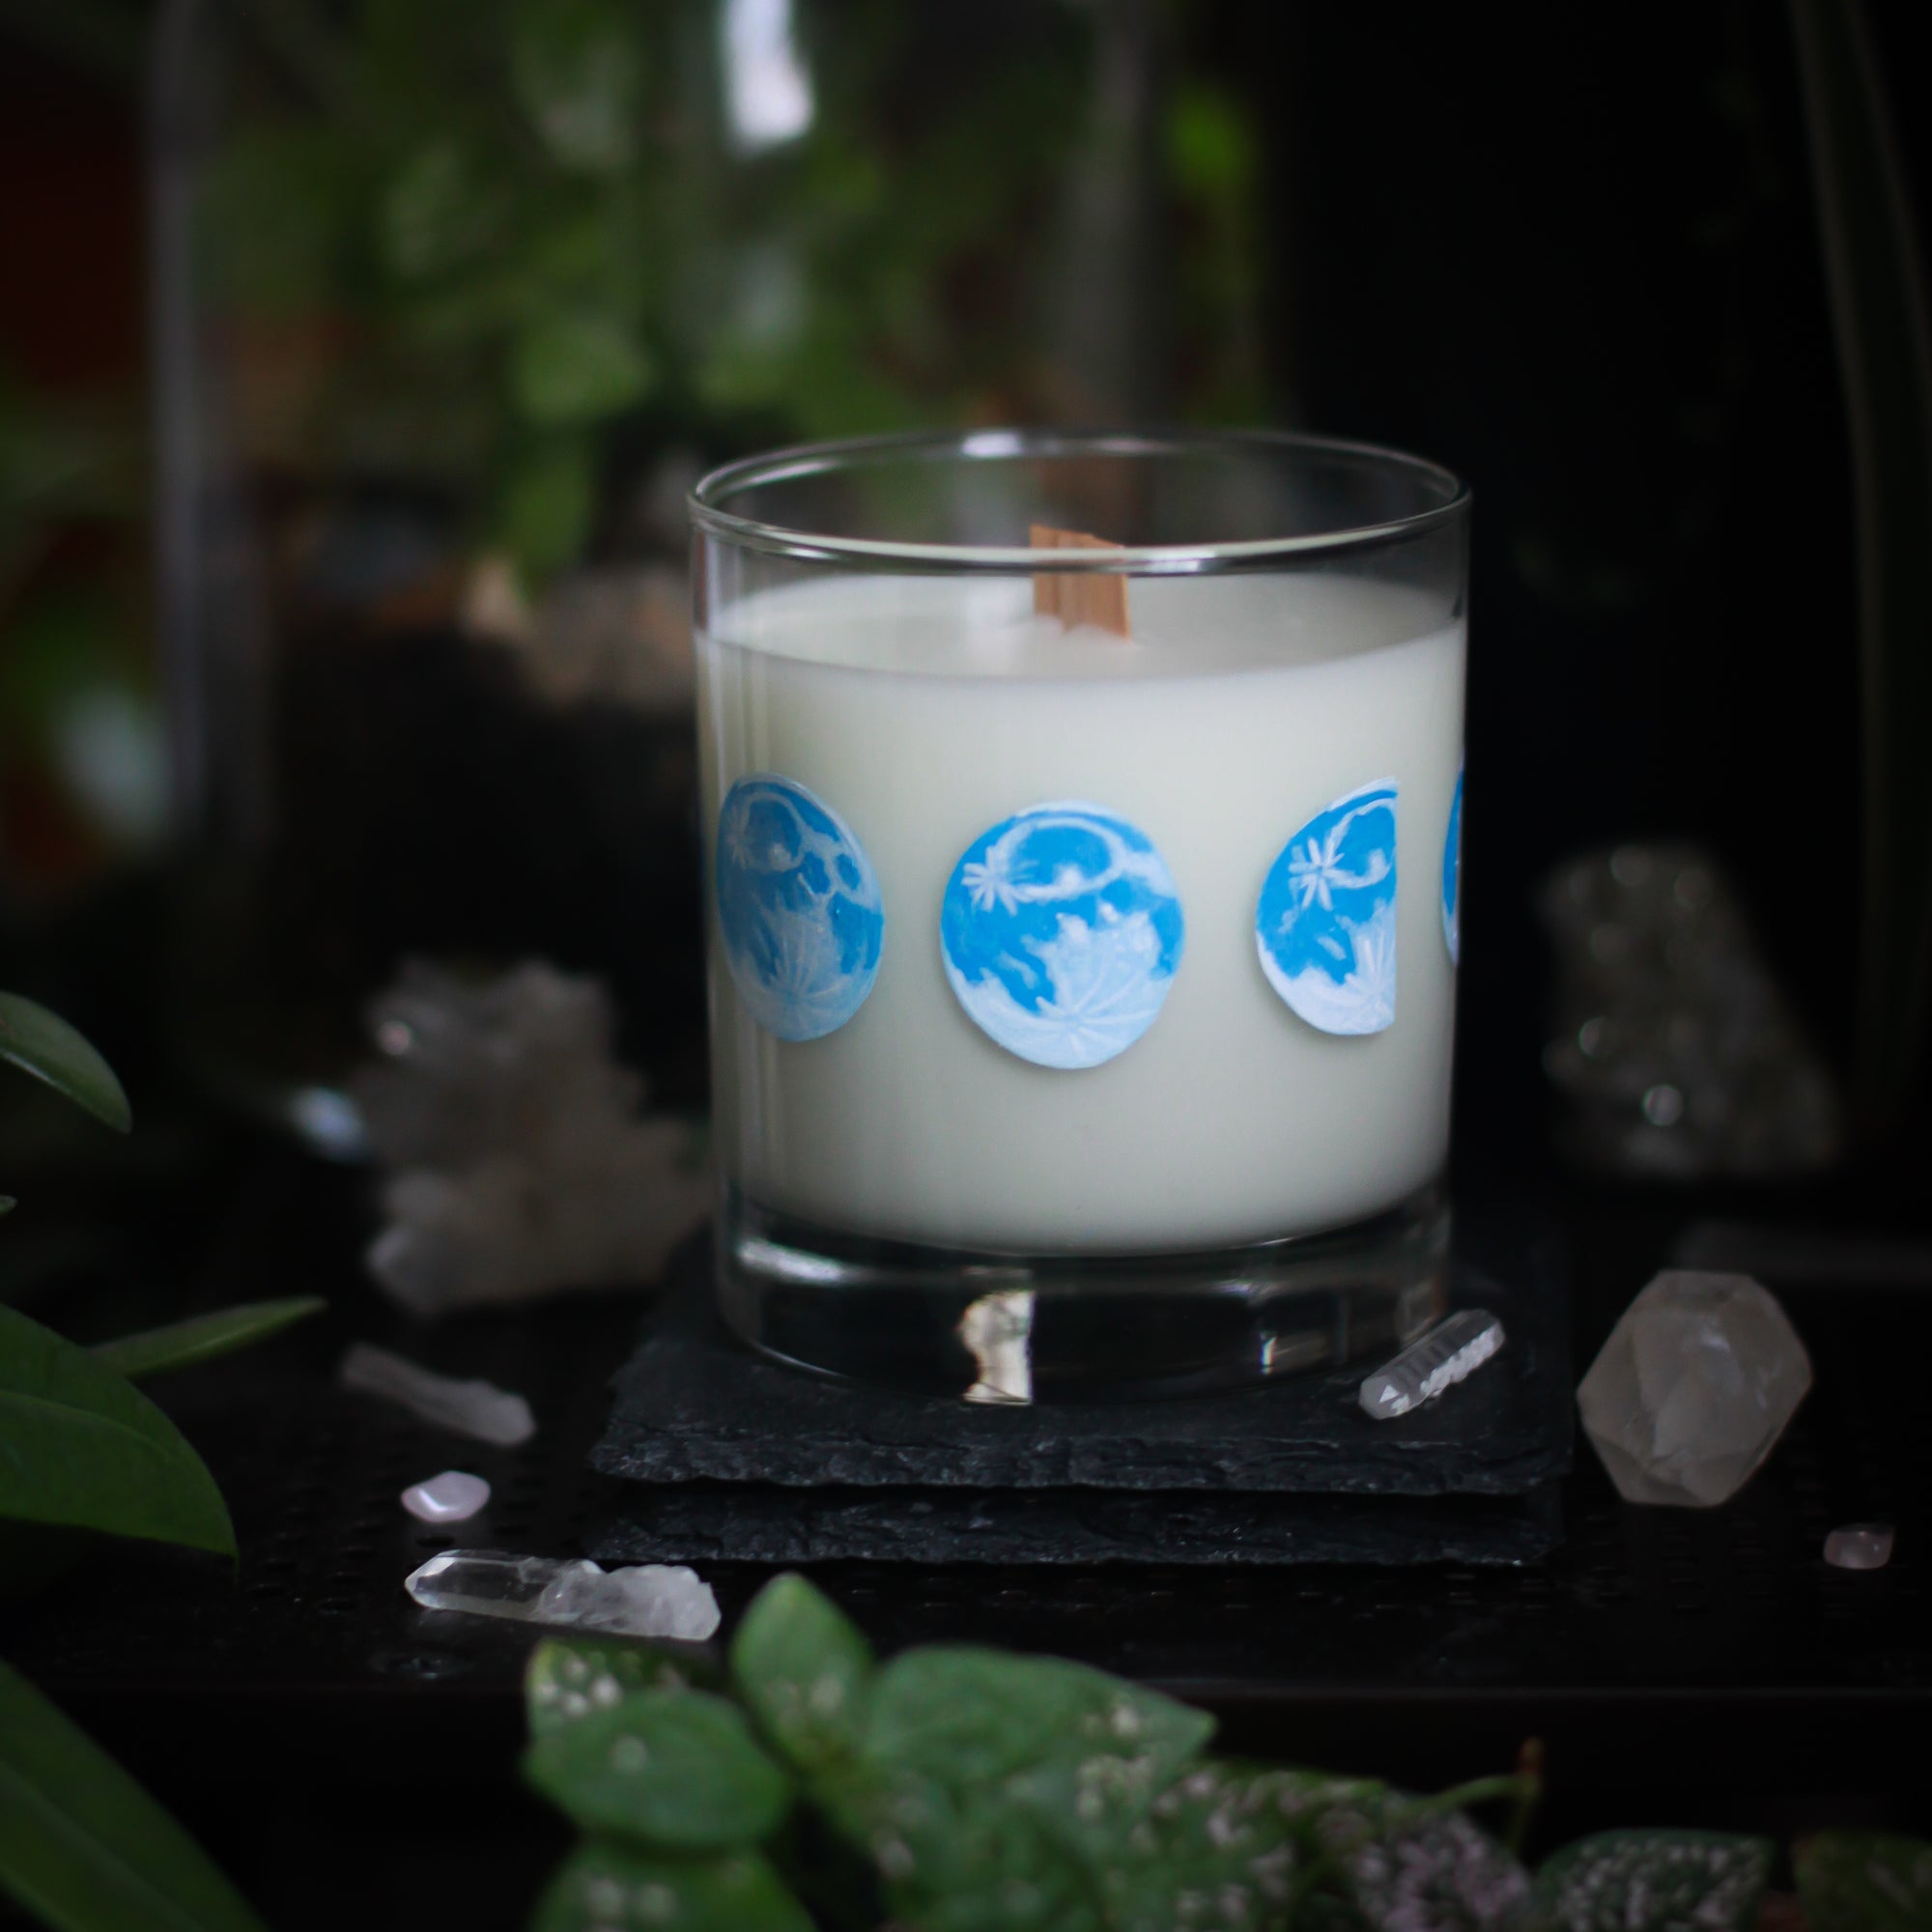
708,497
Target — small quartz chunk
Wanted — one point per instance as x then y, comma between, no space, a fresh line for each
1694,1385
454,1497
1860,1546
649,1600
477,1409
1451,1351
516,1161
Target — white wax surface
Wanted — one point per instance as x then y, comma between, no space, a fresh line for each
927,709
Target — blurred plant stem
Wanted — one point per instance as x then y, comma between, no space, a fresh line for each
1875,282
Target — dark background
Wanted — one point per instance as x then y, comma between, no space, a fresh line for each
1568,251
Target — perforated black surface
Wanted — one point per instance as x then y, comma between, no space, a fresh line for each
1654,1650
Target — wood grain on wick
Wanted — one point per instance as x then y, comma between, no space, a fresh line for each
1100,599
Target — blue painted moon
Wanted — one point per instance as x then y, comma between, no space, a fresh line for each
1325,924
799,906
1452,876
1061,930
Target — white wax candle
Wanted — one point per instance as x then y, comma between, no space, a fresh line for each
925,711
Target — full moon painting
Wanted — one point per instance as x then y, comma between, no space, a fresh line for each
799,906
1062,931
1325,924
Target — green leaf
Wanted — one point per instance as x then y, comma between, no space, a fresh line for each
569,1678
42,1043
1655,1882
78,1445
674,1769
1395,1860
954,1861
83,1847
436,214
606,1887
576,70
7,1204
966,1716
577,369
804,1668
203,1337
1865,1881
1230,1832
550,497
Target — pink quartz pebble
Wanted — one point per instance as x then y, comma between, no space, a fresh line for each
450,1497
1860,1546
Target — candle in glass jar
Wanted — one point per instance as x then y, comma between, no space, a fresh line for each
1215,760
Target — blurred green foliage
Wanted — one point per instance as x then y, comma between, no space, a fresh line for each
533,221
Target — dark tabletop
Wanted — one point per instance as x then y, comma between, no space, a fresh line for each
314,1726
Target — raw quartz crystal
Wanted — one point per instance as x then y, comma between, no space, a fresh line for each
1670,1041
1694,1385
648,1600
1860,1546
454,1497
518,1162
1451,1351
477,1409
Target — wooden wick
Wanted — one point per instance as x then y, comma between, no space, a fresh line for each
1100,599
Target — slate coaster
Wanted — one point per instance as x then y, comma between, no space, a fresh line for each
716,1523
694,1406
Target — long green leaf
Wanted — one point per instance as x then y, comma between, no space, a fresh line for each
42,1043
1875,280
83,1847
202,1337
79,1445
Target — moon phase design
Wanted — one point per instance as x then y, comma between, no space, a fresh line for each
799,905
1062,929
1325,924
1452,876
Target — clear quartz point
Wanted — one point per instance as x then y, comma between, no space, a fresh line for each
454,1497
1860,1546
1692,1389
477,1409
1449,1351
649,1600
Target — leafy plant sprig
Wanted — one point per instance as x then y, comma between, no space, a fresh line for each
84,1453
962,1790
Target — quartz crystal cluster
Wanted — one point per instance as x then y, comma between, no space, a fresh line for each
1694,1385
518,1161
648,1600
1669,1039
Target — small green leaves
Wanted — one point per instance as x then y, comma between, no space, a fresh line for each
436,215
569,1678
578,368
1655,1882
1229,1831
676,1770
203,1337
967,1715
805,1670
1393,1859
1865,1881
548,504
42,1043
606,1887
576,69
78,1445
83,1847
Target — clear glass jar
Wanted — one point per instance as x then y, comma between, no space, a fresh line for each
1083,918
